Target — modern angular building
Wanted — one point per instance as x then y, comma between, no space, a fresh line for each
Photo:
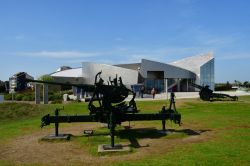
202,66
175,76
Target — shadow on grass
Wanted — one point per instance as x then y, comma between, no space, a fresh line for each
189,132
134,134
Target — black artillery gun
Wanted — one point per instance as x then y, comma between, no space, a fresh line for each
108,105
207,94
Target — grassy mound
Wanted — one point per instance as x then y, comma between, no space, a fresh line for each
13,111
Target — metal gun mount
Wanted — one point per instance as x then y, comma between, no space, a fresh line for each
111,109
207,94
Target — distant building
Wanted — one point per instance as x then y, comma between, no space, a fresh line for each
2,87
7,86
175,76
63,68
17,82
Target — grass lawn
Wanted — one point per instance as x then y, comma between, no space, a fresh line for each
213,133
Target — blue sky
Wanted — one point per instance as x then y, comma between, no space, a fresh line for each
39,36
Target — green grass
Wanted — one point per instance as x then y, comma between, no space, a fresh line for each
17,119
231,146
228,120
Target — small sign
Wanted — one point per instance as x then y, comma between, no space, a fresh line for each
88,132
1,98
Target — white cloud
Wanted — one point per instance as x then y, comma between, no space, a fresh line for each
58,54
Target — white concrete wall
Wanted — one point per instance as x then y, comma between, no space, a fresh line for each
90,70
170,71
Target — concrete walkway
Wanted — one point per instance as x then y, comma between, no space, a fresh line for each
183,95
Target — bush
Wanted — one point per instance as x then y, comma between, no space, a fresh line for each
8,97
27,98
56,96
19,97
223,87
56,102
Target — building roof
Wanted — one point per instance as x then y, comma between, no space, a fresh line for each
132,66
77,72
193,63
63,68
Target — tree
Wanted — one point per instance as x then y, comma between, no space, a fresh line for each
237,83
228,85
52,88
2,87
46,77
246,84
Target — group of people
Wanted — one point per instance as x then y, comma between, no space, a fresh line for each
142,90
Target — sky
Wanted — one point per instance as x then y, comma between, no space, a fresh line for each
39,36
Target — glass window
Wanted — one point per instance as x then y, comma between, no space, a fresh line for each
207,74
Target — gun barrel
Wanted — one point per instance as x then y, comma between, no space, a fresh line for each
47,119
196,86
86,87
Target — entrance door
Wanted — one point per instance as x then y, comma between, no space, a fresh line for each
155,79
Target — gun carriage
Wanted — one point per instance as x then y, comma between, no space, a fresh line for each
111,108
207,94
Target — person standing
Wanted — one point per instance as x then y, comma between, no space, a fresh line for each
142,91
153,92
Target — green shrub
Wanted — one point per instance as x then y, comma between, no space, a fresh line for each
27,98
55,96
8,97
223,86
19,97
56,102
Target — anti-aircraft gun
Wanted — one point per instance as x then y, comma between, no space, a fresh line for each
111,108
207,94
